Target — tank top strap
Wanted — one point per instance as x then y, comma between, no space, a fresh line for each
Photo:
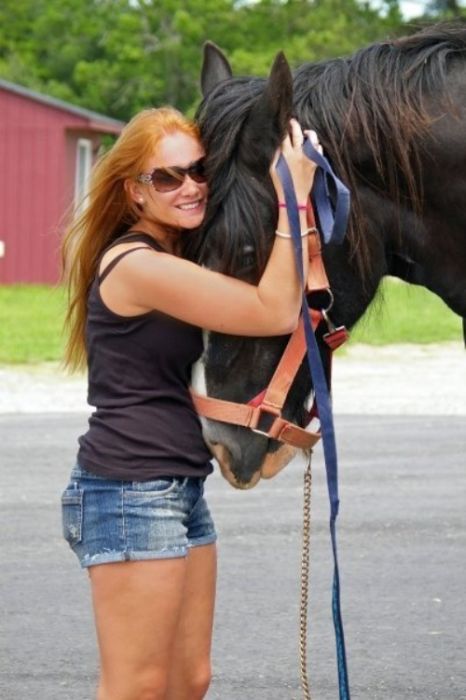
136,237
129,237
117,259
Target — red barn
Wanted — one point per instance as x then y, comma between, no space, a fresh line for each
46,150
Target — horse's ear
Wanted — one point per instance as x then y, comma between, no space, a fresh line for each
215,67
275,105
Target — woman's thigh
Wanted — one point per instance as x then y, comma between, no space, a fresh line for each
190,664
194,632
137,608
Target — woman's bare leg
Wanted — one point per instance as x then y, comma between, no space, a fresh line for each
190,669
137,608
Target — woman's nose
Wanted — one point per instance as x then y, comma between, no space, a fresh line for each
189,183
190,187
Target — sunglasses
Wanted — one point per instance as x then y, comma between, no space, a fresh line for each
171,179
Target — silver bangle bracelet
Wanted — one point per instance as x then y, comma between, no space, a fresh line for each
305,233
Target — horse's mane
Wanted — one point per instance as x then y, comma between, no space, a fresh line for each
371,108
368,109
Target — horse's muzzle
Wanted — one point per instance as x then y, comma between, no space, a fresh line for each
272,463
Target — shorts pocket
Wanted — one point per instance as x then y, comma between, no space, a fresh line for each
153,488
72,515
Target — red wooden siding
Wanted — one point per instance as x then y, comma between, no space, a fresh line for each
37,170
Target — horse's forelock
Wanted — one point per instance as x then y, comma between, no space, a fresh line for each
239,216
238,226
222,113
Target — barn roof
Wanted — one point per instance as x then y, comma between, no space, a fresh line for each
94,120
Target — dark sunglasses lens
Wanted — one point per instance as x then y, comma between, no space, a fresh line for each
171,179
164,181
197,172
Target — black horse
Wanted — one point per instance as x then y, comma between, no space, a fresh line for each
392,120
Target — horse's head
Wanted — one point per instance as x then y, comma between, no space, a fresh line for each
392,120
242,123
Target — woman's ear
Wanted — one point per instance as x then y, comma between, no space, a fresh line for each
134,191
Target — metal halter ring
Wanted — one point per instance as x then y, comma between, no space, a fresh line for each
331,301
331,298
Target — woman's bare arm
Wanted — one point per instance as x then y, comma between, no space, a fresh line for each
151,280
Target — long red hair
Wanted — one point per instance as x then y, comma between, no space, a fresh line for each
110,211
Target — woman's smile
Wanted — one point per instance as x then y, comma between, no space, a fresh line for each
189,206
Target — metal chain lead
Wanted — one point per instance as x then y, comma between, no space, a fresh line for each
303,614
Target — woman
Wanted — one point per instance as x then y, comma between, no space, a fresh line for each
133,511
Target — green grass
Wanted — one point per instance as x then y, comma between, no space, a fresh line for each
31,318
404,313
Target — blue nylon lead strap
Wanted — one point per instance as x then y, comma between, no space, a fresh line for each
322,396
332,222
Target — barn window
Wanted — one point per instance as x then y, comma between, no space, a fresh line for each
83,169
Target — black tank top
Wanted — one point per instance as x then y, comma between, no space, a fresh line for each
145,425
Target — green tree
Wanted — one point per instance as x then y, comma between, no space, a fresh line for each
448,8
118,56
310,30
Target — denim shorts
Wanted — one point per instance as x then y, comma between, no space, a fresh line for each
107,521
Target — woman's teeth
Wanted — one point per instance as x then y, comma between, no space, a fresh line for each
191,205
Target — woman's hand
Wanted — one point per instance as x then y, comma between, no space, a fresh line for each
302,169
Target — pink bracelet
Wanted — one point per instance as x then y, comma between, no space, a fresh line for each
301,207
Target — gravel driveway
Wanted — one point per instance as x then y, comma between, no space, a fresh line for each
390,380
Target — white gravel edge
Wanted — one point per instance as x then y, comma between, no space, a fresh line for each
394,380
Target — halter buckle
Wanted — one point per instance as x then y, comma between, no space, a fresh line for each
263,420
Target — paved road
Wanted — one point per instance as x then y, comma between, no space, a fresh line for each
402,539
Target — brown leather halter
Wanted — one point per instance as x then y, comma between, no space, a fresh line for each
263,414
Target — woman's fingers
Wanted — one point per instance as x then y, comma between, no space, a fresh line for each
275,159
294,139
296,133
312,136
302,169
314,139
